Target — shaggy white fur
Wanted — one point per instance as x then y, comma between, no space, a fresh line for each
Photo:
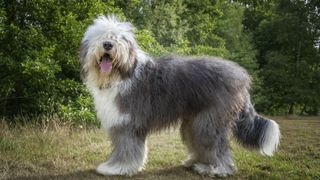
107,111
271,140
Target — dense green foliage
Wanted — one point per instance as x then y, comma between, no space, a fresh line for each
287,36
277,41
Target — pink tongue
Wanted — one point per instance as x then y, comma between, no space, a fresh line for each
105,65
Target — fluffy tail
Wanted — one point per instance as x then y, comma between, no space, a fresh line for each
257,132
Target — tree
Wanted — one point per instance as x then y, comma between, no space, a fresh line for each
288,56
39,53
162,19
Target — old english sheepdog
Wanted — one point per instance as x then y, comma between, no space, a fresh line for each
135,95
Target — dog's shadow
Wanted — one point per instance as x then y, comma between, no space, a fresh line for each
175,172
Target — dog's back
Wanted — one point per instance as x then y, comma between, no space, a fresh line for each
189,85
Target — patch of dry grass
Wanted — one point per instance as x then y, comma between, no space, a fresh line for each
55,150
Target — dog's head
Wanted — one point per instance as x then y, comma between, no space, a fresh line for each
107,49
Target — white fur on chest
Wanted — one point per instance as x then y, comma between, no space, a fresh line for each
107,110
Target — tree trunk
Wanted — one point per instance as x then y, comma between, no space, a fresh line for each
290,112
303,109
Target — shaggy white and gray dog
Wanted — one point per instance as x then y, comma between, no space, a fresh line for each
135,95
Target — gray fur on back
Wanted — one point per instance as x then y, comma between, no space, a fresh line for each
175,87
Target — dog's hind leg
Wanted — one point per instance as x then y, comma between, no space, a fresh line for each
128,155
186,135
208,143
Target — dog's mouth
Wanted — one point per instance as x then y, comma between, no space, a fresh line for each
105,63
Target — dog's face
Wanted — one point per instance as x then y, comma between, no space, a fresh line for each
107,49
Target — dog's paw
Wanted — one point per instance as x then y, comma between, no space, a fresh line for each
107,169
210,170
188,163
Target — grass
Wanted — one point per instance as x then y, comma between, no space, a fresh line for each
58,151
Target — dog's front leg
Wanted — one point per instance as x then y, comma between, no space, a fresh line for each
128,155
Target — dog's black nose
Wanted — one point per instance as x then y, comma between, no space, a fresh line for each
107,45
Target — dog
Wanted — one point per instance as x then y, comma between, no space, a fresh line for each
135,95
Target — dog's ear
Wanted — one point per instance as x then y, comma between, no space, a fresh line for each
83,54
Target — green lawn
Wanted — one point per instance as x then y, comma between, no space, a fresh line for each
57,151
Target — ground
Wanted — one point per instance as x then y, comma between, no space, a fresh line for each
59,151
